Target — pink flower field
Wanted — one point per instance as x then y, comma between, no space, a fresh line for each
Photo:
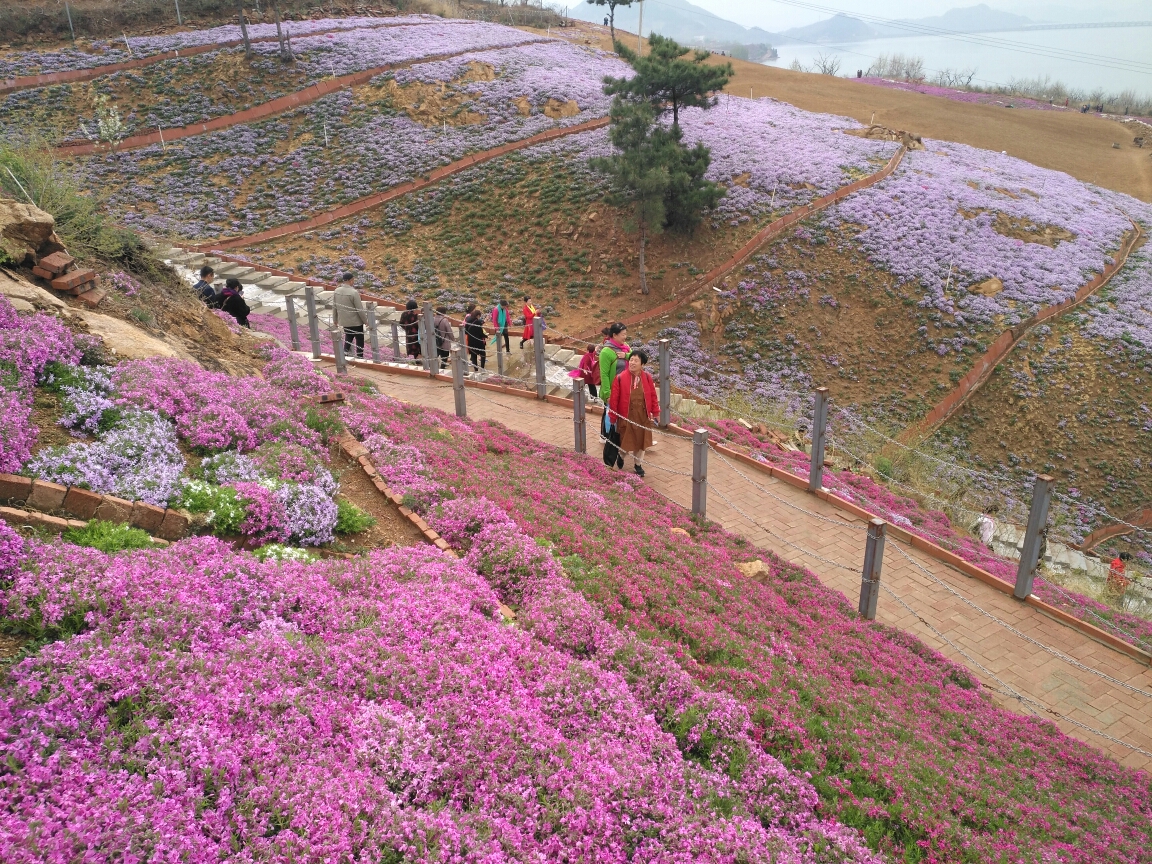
650,703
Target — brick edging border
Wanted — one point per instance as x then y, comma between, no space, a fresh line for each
1009,339
71,76
42,497
378,198
916,541
259,112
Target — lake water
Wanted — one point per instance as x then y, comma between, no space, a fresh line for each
1120,47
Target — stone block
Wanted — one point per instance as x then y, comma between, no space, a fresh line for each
93,297
147,517
56,263
174,526
15,488
563,356
82,503
46,496
72,281
43,274
113,509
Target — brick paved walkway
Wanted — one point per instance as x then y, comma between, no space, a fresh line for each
776,523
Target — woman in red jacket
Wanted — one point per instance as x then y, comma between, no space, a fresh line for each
633,407
529,317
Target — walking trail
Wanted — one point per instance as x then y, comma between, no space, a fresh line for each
1030,663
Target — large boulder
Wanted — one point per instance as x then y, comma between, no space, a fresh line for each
26,232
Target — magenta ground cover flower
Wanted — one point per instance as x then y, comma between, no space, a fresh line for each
353,710
898,740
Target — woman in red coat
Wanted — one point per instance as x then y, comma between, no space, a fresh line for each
529,317
633,407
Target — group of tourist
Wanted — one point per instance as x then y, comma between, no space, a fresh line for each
476,337
227,299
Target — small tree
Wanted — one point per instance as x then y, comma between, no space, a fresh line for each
667,79
639,171
244,30
285,48
611,4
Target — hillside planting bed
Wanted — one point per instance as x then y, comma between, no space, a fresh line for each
1072,400
99,52
535,221
342,147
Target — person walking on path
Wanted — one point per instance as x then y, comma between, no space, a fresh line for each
410,321
529,319
986,525
589,372
1118,580
442,326
350,315
500,323
476,338
204,288
634,406
232,302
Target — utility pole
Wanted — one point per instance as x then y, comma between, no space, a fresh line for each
640,31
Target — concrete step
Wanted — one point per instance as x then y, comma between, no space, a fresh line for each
551,351
324,297
573,362
233,271
296,289
271,282
562,356
189,259
688,407
675,400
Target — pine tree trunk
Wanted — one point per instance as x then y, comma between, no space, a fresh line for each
612,23
244,30
285,51
643,272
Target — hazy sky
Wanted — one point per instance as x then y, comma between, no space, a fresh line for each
776,16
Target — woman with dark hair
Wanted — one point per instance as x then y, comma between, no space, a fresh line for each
633,407
476,337
611,356
233,303
410,321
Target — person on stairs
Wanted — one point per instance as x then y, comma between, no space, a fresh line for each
589,372
350,315
205,289
529,319
500,319
476,337
634,406
442,326
410,323
232,302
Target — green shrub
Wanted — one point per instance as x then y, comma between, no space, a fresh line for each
884,466
221,504
325,423
83,222
108,537
350,519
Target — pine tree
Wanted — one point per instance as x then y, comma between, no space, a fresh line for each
665,78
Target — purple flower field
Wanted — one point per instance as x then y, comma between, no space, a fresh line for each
105,52
954,216
339,148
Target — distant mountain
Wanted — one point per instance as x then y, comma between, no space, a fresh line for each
845,28
839,28
686,23
970,19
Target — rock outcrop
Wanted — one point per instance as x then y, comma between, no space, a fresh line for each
26,233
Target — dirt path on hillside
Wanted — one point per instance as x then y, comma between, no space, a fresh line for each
1078,144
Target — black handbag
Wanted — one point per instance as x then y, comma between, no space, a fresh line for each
612,454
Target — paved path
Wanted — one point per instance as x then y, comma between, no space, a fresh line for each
804,529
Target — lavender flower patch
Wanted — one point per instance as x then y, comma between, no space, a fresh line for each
137,459
954,217
1122,309
170,93
335,150
770,155
103,52
85,400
